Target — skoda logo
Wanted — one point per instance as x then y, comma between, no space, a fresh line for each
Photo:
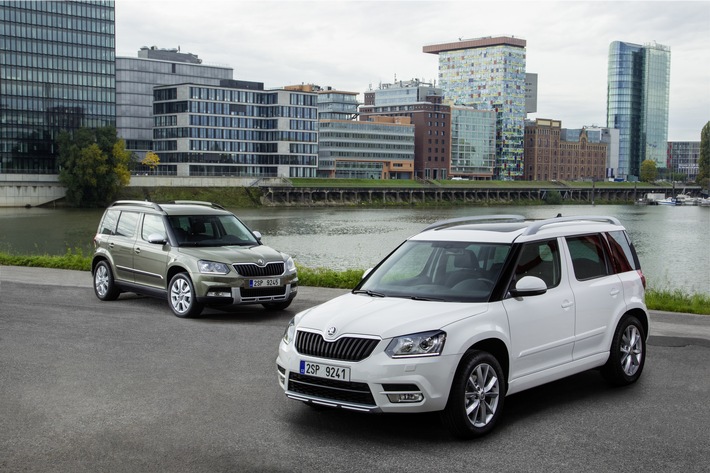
260,262
331,331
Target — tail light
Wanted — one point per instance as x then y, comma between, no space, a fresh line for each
643,278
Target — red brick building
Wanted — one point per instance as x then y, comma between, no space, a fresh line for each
547,157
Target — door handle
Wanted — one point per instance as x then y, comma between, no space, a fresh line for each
614,292
136,250
567,304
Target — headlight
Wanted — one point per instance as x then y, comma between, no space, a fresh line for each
417,344
290,265
210,267
290,333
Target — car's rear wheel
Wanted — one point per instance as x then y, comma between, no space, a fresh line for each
628,352
104,285
476,397
182,297
277,305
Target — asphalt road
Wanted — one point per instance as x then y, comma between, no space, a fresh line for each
126,386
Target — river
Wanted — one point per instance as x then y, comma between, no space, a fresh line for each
672,242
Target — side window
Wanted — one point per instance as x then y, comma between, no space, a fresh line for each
127,224
108,223
152,224
587,253
622,254
540,259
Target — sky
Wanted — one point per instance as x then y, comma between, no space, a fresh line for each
357,45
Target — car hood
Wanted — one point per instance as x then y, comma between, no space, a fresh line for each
385,317
233,254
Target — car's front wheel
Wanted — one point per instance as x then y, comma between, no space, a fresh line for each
104,285
476,397
182,297
628,352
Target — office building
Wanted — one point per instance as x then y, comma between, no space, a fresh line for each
551,154
235,129
489,74
421,103
637,103
377,148
57,72
473,143
683,158
137,76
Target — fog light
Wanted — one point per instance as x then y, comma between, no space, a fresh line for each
219,294
406,397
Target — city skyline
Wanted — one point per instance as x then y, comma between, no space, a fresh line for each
351,45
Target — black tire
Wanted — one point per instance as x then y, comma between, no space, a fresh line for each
182,297
104,285
627,354
473,407
277,305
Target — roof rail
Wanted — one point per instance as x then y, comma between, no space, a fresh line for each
477,219
139,203
198,202
537,226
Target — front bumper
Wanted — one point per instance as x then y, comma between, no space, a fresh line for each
231,291
377,384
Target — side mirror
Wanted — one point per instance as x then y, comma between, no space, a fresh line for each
257,234
157,238
529,286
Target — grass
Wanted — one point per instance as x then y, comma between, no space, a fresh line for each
656,299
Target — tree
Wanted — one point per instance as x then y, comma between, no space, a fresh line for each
648,171
151,160
93,165
703,178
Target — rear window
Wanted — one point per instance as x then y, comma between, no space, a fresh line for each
623,256
108,223
127,224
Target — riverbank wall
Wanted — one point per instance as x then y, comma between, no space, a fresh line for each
275,192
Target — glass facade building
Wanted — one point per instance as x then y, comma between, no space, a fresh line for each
236,129
382,148
637,103
473,142
57,72
135,79
489,74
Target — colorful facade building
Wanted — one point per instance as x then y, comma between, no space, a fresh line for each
489,74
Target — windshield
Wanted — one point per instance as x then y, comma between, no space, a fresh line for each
441,271
211,230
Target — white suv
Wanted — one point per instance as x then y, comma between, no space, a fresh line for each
469,311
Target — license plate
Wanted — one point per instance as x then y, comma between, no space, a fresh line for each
325,371
273,282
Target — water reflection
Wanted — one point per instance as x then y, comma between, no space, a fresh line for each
671,241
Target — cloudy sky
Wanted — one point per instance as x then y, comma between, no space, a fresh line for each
354,45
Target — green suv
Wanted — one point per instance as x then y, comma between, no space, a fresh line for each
195,254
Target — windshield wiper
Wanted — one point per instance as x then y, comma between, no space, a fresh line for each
422,298
369,293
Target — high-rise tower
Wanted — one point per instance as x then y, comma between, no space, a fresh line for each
637,103
489,74
58,73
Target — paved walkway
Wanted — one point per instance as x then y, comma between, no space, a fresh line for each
667,328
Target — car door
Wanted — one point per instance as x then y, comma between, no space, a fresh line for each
120,244
151,259
598,293
541,326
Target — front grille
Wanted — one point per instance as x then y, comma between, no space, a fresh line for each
254,270
263,291
356,393
344,349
